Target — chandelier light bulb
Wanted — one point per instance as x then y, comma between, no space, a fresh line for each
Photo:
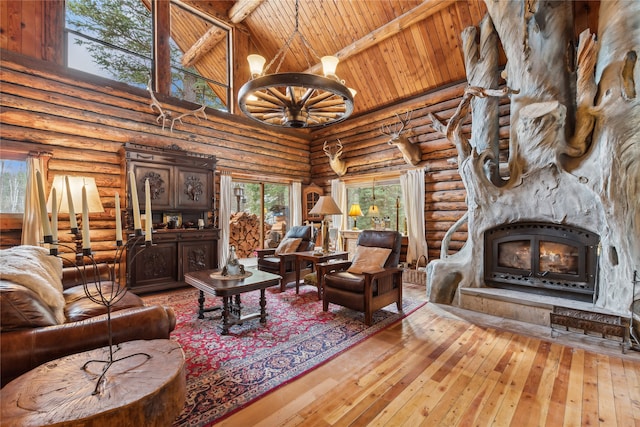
256,63
329,66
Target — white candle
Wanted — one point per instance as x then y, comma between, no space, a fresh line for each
118,219
54,215
147,211
72,212
44,217
134,201
86,240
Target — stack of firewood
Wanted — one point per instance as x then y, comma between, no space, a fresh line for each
244,230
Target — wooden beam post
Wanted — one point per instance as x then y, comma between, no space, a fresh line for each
161,10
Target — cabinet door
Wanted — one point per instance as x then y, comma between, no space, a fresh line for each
153,265
160,182
197,255
193,189
310,197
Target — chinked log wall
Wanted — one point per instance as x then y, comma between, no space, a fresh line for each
366,152
83,121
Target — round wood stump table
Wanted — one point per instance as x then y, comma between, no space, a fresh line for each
146,389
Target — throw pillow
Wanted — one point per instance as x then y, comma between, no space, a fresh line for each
288,245
368,259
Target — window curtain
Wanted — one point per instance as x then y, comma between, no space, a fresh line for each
412,185
296,203
339,195
31,223
226,193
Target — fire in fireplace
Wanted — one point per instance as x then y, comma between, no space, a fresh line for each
544,258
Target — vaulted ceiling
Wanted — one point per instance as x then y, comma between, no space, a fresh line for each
390,50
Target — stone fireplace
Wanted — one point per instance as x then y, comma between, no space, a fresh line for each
556,212
542,258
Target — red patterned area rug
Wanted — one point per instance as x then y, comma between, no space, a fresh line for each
226,373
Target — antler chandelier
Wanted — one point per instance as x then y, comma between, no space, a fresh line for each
295,100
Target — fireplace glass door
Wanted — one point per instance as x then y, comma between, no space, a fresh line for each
538,257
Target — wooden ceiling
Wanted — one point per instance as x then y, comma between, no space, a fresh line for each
390,50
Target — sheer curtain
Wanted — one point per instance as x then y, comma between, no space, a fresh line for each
31,224
339,195
412,184
226,193
296,203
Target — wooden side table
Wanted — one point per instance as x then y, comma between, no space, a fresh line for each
138,391
316,258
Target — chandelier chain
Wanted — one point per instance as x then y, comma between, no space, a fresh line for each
287,45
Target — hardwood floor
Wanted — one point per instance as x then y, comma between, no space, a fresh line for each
443,366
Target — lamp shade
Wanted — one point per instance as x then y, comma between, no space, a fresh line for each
75,184
329,65
374,211
355,210
325,206
256,63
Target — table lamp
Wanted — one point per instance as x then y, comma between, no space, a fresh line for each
325,206
69,201
355,212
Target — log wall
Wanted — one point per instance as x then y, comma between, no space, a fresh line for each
366,152
83,121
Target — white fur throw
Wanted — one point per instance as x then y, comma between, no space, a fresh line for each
33,268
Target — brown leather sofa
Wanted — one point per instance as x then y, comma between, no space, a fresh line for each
367,290
283,264
31,335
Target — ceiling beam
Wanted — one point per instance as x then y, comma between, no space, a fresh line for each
415,15
238,13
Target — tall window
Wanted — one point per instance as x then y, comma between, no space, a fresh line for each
114,39
386,196
13,183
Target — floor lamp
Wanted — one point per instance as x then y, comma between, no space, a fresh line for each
325,206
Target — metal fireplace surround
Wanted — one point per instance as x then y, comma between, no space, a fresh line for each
543,258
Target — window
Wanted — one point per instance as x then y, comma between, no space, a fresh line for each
13,184
276,214
114,39
388,199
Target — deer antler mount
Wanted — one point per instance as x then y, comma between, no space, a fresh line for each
399,137
338,165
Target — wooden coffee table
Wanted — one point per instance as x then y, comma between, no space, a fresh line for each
230,291
148,388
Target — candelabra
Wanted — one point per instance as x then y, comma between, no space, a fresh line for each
106,292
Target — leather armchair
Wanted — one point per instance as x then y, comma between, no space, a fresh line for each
285,264
369,291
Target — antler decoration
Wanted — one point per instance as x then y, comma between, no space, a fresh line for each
338,165
164,114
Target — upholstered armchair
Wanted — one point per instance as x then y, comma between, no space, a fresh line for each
371,281
282,260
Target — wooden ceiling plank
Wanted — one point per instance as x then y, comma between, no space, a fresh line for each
439,56
450,40
417,14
